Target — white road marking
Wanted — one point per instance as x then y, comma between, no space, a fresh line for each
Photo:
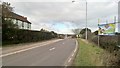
76,46
69,59
52,49
74,50
72,55
26,49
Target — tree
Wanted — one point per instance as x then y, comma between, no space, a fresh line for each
43,30
8,24
76,31
83,31
6,7
6,11
8,27
96,32
53,34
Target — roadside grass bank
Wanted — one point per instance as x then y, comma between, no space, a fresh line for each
88,54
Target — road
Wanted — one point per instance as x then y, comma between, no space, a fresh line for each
54,54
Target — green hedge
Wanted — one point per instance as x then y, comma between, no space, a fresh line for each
15,36
107,42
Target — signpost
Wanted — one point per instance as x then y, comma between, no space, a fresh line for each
107,29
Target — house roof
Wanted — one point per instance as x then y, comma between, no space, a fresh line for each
15,16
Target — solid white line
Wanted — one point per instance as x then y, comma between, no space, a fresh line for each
52,49
26,49
76,46
74,50
72,54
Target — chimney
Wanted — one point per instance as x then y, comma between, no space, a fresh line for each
25,18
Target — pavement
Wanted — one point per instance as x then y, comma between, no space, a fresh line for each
55,53
17,47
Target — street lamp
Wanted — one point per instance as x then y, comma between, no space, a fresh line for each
86,36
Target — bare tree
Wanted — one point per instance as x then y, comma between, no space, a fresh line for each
76,31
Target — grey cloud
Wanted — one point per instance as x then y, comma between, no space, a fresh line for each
40,13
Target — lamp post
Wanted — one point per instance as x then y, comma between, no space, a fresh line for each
86,33
86,22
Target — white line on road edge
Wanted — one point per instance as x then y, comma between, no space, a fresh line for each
27,49
71,56
76,46
52,49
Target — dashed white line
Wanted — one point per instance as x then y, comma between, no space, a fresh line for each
52,49
69,59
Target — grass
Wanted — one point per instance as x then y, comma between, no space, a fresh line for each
88,54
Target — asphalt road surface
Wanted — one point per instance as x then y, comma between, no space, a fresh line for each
54,54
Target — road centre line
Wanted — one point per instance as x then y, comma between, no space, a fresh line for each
27,49
52,49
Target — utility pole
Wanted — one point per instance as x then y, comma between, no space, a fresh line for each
114,19
98,33
86,36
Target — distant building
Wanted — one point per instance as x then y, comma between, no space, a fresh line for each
19,20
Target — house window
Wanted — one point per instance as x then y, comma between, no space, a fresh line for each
25,25
8,18
14,21
5,18
28,26
20,24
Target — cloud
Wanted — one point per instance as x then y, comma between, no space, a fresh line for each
59,0
72,15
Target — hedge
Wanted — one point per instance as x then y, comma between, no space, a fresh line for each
108,42
15,36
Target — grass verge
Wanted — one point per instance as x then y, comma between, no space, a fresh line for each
88,54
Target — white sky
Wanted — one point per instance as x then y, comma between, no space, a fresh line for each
62,15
